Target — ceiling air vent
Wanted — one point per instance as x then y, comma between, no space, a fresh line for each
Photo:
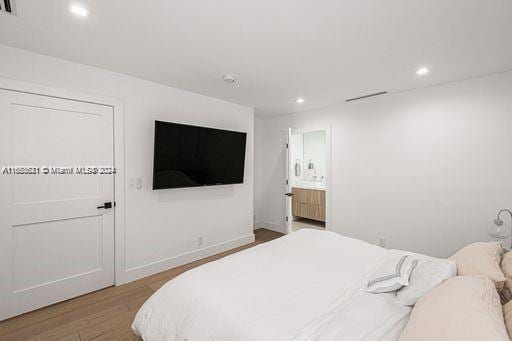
366,96
7,6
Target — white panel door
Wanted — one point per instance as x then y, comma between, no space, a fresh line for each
55,243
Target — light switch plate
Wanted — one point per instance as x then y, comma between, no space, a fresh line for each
135,183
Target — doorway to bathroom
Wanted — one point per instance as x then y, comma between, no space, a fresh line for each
307,178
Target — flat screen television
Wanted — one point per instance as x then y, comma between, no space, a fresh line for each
191,156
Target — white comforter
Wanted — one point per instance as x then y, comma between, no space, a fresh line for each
304,286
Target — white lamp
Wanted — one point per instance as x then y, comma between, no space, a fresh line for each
498,230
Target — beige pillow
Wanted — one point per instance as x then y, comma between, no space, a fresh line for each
464,308
480,259
507,314
506,267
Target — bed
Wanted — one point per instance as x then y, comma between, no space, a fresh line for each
303,286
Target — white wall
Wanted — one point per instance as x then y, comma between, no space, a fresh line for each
426,169
258,172
161,227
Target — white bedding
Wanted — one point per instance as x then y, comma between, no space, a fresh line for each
304,286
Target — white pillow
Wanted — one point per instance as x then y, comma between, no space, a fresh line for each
424,277
392,275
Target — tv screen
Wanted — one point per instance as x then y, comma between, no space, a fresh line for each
191,156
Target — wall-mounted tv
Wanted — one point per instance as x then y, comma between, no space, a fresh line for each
191,156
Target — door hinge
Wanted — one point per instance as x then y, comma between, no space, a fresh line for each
287,182
286,218
287,146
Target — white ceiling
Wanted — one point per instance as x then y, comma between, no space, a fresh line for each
324,51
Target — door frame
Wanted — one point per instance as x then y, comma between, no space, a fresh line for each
117,105
288,204
328,168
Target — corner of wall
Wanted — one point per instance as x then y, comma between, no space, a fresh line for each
270,226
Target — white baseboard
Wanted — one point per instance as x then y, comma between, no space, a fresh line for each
141,271
270,226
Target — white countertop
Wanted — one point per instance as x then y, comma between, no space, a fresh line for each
315,188
310,185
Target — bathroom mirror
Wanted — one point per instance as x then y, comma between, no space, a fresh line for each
309,156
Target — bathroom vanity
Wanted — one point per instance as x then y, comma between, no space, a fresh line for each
308,203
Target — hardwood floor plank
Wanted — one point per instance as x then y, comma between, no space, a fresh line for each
157,285
54,322
73,327
105,314
117,328
61,308
136,303
72,337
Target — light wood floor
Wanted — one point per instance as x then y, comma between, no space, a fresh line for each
106,314
307,223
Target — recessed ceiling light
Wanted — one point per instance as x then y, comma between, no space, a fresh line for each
300,100
79,10
423,71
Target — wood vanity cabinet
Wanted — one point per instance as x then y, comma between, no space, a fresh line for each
308,203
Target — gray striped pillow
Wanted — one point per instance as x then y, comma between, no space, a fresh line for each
392,275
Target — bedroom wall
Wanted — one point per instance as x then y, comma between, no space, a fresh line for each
161,227
425,169
258,173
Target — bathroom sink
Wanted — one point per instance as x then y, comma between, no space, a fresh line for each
311,184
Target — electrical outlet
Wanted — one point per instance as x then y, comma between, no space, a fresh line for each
382,242
199,241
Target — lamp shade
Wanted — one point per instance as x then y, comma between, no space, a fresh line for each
499,230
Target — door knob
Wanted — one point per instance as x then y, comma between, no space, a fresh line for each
106,205
289,194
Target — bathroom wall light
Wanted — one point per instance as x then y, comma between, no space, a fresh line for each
300,100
